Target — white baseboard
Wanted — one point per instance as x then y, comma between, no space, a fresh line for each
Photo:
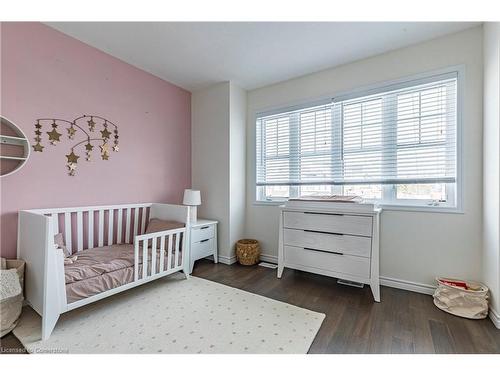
407,285
495,317
231,260
227,260
269,258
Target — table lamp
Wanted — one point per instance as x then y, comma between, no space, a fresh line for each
192,198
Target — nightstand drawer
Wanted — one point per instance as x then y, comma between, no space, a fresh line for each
203,247
205,232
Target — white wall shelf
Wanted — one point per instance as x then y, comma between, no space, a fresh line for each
13,157
15,149
11,140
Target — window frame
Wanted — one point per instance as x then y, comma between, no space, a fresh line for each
388,191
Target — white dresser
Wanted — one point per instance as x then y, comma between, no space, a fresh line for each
333,239
203,238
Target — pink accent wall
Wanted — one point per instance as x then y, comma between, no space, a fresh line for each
45,73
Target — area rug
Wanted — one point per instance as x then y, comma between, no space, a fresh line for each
174,315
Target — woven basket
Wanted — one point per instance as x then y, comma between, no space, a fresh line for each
10,307
247,252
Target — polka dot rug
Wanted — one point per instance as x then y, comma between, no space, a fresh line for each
175,315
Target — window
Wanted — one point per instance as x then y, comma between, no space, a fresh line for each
393,145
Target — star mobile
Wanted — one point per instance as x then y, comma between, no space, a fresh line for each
84,125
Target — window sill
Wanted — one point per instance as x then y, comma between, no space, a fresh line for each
414,208
386,207
269,203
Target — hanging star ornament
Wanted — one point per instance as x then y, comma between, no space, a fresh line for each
72,157
54,136
91,124
116,148
89,147
71,168
38,147
105,133
71,132
104,147
104,151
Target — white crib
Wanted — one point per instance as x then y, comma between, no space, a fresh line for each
45,279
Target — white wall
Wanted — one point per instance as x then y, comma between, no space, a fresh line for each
491,162
415,246
218,132
237,162
209,160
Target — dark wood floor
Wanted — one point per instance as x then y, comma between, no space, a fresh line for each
404,322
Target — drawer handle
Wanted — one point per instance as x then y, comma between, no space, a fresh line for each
323,251
323,213
317,231
205,227
204,240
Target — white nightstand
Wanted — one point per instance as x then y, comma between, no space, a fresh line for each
203,241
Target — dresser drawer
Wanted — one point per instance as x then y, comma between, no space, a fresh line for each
339,243
203,247
346,264
331,223
202,233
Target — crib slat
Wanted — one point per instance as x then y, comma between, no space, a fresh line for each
162,254
111,218
143,223
67,231
177,248
136,261
169,253
153,257
90,245
55,221
79,231
127,227
101,228
144,258
119,229
136,220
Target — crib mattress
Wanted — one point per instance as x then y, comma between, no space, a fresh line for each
103,268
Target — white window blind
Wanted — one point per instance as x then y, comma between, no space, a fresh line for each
403,134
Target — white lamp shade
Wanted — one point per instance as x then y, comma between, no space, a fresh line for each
191,197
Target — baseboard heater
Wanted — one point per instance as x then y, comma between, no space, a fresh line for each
350,283
268,265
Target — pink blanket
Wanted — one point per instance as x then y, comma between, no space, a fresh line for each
103,268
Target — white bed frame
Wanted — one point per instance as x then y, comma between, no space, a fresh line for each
45,288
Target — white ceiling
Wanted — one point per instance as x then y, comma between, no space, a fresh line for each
194,55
